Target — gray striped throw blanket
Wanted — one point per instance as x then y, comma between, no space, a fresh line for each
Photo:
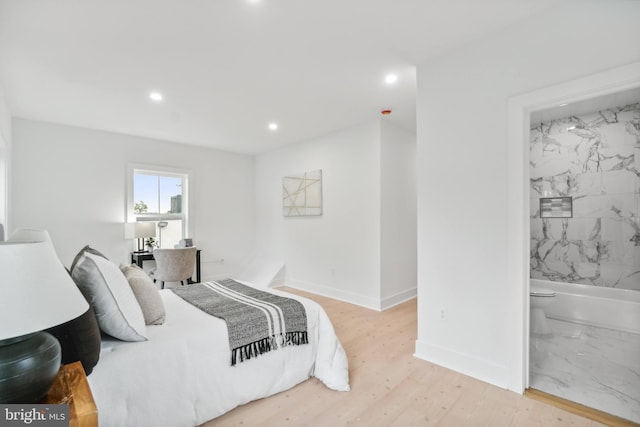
257,321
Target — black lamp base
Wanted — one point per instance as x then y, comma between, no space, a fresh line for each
28,366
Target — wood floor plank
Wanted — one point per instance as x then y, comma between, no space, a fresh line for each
390,387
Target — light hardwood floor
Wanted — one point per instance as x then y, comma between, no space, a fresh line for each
390,387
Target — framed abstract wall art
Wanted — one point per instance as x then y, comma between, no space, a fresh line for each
302,194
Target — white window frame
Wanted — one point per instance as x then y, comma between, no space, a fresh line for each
187,177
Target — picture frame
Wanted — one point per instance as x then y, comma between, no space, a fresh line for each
302,194
556,207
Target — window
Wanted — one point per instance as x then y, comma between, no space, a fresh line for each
161,195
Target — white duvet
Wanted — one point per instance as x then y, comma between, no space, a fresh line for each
182,375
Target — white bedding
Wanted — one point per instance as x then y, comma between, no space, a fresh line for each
182,375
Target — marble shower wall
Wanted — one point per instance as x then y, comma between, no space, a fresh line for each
595,159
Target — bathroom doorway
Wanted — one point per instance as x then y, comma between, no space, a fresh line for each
584,265
518,191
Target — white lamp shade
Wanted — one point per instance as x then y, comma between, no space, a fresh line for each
140,230
31,235
36,292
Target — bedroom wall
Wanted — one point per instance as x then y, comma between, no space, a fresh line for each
362,249
72,182
468,313
5,157
335,254
398,221
4,185
5,118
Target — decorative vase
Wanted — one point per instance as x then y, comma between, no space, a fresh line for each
28,366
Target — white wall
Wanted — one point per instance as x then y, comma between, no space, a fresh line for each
5,157
462,171
5,119
72,182
363,248
338,253
4,186
398,252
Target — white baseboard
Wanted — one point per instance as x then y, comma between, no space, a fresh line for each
334,293
353,298
482,370
399,298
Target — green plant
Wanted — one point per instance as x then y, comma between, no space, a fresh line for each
140,207
151,243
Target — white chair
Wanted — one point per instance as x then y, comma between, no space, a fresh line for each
174,265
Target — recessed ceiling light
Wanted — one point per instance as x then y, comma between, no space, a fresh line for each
391,78
564,104
273,126
155,96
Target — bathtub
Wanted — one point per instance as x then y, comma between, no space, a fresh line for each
610,308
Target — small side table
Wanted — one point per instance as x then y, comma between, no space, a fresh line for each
71,387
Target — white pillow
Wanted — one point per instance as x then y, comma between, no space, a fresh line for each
146,294
107,290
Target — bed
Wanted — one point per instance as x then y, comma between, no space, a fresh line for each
182,376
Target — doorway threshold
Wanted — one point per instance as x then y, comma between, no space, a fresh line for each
578,409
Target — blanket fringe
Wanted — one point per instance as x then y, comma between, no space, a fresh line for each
265,345
296,338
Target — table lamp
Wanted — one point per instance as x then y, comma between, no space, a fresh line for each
140,230
36,293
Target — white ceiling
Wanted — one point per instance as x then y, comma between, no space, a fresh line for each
227,68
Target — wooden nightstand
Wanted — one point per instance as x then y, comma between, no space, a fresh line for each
71,387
